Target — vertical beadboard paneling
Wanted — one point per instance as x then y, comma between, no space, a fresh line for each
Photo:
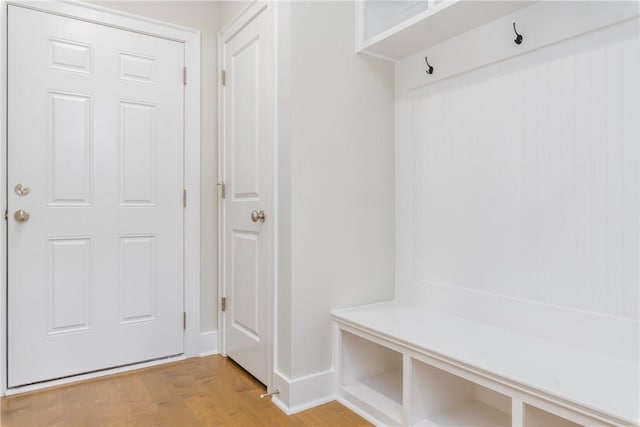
631,177
598,188
525,175
582,76
615,169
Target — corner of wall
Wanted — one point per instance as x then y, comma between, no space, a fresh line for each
304,393
208,345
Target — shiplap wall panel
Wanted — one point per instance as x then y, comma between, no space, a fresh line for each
525,175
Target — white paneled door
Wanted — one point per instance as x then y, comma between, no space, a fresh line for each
95,211
248,221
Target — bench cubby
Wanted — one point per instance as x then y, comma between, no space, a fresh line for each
535,417
372,373
445,399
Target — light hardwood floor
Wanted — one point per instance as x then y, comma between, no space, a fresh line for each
195,392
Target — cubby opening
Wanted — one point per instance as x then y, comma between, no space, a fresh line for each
372,373
444,399
535,417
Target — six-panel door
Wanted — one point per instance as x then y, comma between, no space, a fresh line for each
95,131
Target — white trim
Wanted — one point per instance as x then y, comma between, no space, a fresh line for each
250,11
208,343
272,293
282,383
359,25
3,191
303,407
248,14
191,39
367,416
305,392
111,17
275,40
220,200
92,375
284,408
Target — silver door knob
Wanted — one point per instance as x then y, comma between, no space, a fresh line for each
21,189
258,216
21,216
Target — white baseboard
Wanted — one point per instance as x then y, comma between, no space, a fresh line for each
208,343
304,393
359,411
284,408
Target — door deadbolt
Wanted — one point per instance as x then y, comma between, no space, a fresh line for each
21,189
21,216
258,216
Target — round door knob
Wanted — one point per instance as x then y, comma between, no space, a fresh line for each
21,189
258,216
21,216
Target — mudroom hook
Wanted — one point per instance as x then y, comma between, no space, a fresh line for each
518,39
430,69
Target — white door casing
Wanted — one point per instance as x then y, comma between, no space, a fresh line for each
95,130
247,169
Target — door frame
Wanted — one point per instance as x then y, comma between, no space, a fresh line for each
191,219
246,15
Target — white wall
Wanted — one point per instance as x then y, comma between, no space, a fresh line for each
341,179
336,178
204,16
229,10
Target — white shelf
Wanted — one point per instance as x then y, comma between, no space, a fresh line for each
383,392
535,417
439,22
440,398
470,414
390,382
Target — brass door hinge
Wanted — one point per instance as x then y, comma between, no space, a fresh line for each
184,320
223,304
223,78
223,190
184,76
184,197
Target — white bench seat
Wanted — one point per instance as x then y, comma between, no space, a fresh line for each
589,381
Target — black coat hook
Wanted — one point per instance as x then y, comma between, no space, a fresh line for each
518,39
430,69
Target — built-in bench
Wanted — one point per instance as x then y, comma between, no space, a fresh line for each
516,275
413,364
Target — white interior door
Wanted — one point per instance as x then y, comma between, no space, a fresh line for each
95,131
248,170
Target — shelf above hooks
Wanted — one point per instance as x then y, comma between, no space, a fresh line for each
439,22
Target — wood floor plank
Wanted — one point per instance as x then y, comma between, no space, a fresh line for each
207,391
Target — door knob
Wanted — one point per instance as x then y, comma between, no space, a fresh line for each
21,189
21,216
258,216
